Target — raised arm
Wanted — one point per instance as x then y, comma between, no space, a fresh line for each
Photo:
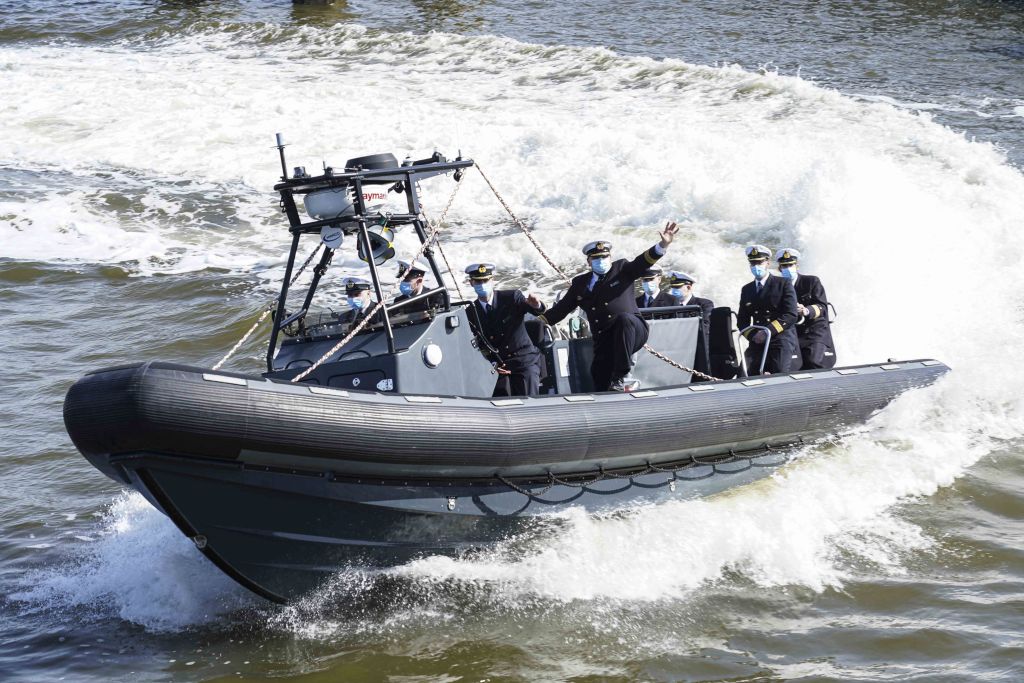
637,266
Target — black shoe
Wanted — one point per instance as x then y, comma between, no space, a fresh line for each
626,383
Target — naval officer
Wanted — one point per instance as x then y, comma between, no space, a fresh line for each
497,318
412,285
605,294
357,293
680,293
813,331
769,301
650,287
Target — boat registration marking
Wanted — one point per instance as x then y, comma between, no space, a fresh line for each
802,375
702,388
848,371
508,402
224,379
753,383
422,399
327,391
891,366
576,399
643,394
929,363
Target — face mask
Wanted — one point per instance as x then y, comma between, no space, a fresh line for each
677,292
355,302
600,265
650,289
789,272
483,289
405,288
758,270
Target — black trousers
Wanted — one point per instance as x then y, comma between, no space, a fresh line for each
817,356
614,347
524,381
780,356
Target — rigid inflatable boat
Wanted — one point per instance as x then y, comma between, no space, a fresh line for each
373,444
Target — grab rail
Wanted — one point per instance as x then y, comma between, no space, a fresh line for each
764,354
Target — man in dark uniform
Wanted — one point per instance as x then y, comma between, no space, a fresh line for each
412,285
680,293
497,318
606,295
769,301
813,331
650,287
357,293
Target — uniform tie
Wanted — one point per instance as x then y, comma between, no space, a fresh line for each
760,286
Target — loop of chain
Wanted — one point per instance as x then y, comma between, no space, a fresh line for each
687,464
370,314
529,236
679,366
267,309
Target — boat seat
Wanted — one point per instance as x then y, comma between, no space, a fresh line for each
722,355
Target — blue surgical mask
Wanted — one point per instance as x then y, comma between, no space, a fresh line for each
677,292
483,289
788,272
355,302
600,265
405,288
759,270
650,289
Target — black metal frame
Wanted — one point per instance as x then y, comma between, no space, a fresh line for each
399,179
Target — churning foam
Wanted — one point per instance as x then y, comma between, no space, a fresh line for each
913,229
141,569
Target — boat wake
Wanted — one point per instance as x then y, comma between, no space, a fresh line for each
913,229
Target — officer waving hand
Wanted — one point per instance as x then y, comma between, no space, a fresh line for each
606,295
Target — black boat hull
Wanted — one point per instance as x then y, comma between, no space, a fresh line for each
281,484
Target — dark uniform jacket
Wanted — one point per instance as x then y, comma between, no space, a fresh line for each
775,309
815,333
613,293
421,305
502,328
354,316
645,300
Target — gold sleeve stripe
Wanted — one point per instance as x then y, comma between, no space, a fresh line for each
778,326
543,319
816,309
650,256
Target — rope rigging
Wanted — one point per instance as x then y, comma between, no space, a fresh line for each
434,237
267,308
529,236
